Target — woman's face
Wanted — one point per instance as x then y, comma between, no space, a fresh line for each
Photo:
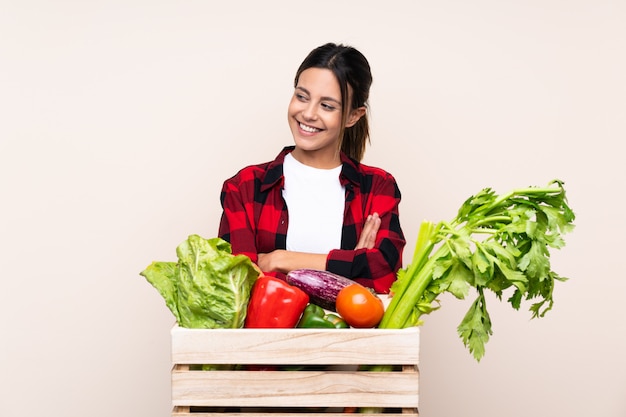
315,118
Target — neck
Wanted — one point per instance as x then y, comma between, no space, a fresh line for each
315,159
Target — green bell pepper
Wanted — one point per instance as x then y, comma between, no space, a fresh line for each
315,317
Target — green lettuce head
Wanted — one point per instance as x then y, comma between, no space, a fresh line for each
208,287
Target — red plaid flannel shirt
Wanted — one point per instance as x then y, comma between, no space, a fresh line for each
255,219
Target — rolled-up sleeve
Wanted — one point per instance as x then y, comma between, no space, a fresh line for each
378,193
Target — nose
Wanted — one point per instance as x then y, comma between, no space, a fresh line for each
309,112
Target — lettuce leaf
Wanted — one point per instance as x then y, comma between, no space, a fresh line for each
208,287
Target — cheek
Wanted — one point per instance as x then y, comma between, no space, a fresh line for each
333,122
293,106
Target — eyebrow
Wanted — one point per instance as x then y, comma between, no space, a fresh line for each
323,98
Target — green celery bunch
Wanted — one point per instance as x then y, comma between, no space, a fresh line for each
494,243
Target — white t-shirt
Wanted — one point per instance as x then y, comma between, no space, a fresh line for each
315,202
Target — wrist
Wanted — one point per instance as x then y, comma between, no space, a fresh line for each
279,261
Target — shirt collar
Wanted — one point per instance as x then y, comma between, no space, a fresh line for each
274,173
349,170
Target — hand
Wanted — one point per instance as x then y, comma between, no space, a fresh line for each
370,230
268,261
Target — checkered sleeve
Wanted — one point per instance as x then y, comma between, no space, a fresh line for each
376,267
237,224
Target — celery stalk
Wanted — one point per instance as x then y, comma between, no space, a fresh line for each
494,243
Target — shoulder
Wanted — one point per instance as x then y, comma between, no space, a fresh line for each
356,171
249,173
263,172
378,181
374,171
370,180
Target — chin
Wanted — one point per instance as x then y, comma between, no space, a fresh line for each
304,145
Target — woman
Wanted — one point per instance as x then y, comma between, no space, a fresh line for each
315,205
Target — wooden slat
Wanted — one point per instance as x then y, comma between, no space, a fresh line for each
178,413
295,346
335,382
295,389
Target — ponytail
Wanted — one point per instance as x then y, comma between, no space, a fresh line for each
355,139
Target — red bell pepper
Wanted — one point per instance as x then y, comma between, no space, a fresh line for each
274,304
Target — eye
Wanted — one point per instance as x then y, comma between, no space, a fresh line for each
328,107
300,97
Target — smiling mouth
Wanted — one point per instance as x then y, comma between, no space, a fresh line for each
309,129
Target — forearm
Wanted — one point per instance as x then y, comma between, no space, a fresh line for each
285,261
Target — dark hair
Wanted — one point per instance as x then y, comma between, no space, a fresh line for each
351,69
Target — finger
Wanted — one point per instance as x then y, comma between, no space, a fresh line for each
367,239
371,236
364,232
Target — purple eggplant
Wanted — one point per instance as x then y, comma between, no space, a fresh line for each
321,286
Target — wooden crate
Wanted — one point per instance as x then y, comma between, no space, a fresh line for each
327,377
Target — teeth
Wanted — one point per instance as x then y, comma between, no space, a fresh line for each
308,128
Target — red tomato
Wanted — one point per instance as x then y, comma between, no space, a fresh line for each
359,307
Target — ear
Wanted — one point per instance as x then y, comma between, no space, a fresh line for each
354,116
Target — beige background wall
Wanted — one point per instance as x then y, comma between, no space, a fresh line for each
119,120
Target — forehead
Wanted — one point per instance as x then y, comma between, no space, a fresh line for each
320,82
